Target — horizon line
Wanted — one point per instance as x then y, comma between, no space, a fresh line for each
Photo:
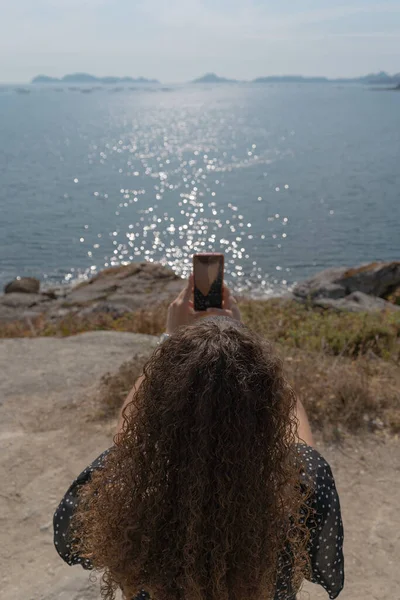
253,80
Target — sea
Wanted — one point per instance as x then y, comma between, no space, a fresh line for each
285,179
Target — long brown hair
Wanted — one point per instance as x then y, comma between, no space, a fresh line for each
200,495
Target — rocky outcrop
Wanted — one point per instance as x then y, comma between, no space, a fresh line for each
116,291
357,302
370,287
137,286
23,285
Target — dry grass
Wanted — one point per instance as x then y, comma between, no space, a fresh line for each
151,322
114,387
340,395
288,323
344,366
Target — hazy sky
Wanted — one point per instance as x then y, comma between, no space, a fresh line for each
176,40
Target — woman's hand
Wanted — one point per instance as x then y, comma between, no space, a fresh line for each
181,311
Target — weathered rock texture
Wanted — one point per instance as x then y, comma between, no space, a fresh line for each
116,291
371,287
119,290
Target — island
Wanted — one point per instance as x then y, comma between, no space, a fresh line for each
380,78
213,78
86,78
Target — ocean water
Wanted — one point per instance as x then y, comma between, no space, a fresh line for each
285,179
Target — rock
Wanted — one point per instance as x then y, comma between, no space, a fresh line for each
51,294
357,302
8,314
105,308
115,291
16,306
366,287
322,285
21,300
135,286
24,285
82,296
128,302
375,279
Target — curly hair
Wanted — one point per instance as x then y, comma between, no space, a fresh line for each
200,497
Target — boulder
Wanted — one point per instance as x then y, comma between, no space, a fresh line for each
24,285
322,285
115,291
134,286
357,302
375,279
359,288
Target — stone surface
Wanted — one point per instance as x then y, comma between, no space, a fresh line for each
322,285
25,285
115,310
360,288
9,314
357,302
147,285
48,435
375,279
21,300
117,290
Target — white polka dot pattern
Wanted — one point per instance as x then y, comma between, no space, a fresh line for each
326,529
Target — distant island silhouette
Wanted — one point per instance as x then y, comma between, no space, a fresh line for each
381,78
83,78
371,79
213,78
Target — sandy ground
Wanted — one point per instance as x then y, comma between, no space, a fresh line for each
47,393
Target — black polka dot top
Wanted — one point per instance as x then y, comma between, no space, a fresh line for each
326,530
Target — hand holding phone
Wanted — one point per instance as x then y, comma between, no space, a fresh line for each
208,273
182,311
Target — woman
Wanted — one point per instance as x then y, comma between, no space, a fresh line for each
212,490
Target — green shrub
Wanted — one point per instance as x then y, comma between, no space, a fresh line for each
324,330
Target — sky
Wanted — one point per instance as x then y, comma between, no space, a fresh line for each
178,40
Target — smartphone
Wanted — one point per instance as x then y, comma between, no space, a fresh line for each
208,272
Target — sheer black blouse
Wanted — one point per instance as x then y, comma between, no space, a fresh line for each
326,529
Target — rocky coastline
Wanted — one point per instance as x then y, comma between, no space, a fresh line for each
119,290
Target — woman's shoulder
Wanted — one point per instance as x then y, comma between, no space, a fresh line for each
86,474
319,484
324,521
312,460
315,469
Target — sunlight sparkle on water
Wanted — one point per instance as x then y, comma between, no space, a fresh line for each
175,210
